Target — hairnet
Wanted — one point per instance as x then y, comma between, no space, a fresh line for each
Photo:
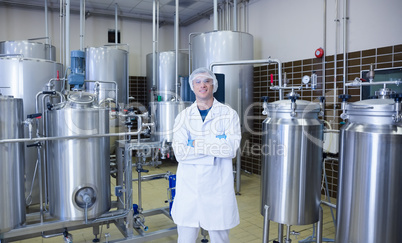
205,73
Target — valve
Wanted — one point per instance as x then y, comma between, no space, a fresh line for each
397,117
345,98
396,97
34,115
28,122
314,81
322,105
293,97
37,144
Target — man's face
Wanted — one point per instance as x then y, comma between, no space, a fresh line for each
203,87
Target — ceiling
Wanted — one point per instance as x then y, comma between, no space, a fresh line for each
190,11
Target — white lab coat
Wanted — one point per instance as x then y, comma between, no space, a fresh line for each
205,186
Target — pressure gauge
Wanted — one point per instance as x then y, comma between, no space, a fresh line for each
306,79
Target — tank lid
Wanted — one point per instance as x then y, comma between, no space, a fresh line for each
371,105
301,106
81,97
372,111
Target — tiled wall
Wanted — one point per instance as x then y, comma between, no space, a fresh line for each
384,57
138,90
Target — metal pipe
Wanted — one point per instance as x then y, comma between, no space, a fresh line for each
227,15
215,15
320,225
176,42
108,82
189,50
345,18
81,24
153,177
61,31
139,187
116,41
67,33
356,84
262,61
235,15
157,29
153,45
324,46
331,205
335,58
40,183
23,140
46,23
265,235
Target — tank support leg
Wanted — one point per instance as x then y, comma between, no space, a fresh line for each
320,225
265,236
288,240
280,233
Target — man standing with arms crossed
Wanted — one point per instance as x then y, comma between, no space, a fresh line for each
206,137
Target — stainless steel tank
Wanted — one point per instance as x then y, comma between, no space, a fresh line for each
166,74
370,182
164,113
78,168
24,77
292,162
223,46
29,49
108,63
12,204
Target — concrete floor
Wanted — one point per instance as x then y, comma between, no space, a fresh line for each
154,195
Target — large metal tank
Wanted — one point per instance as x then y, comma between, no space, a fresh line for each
108,63
292,162
78,168
12,204
165,83
223,46
29,49
370,182
163,114
23,77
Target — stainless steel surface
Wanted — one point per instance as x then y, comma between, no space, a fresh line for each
29,49
108,63
223,46
166,74
24,78
163,115
78,167
12,204
370,175
291,162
